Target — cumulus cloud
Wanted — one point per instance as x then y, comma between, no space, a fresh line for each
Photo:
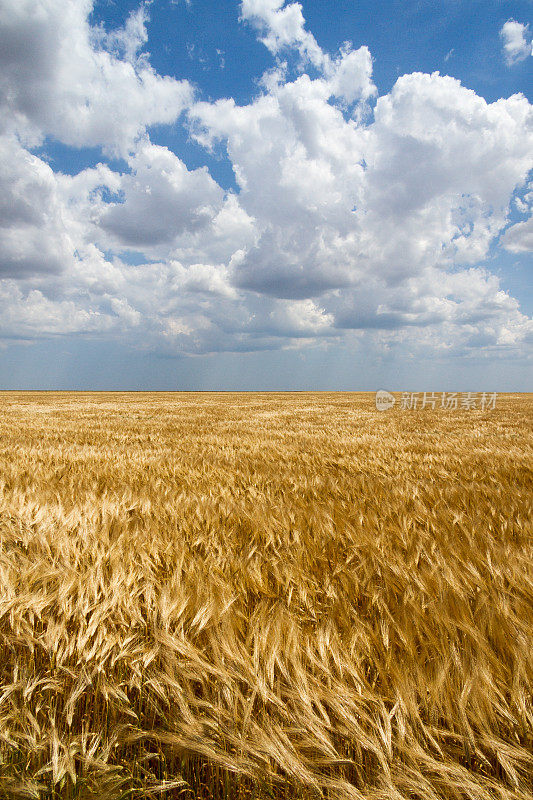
519,237
32,315
442,166
428,182
63,78
34,238
282,26
160,200
346,222
516,40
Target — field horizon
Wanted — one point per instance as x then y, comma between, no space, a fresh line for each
285,594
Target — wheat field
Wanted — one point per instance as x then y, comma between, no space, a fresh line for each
255,595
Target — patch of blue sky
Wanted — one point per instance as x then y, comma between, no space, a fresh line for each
71,160
455,37
133,258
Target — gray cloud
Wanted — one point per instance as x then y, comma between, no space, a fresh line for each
161,200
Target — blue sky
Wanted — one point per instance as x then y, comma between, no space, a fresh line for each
459,38
266,194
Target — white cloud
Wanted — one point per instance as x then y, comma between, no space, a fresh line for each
126,42
34,238
519,237
300,318
427,183
442,166
282,26
376,225
516,39
32,315
160,200
58,78
349,74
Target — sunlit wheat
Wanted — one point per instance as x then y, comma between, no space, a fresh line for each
264,595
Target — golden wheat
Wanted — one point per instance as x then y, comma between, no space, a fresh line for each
264,595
